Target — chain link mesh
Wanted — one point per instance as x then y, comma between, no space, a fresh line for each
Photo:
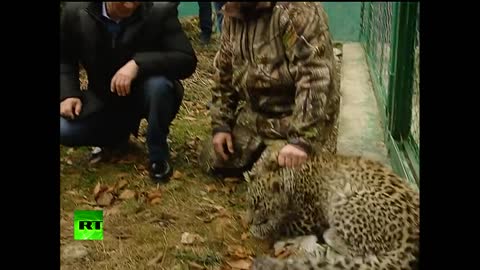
377,30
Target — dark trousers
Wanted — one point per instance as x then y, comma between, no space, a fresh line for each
160,103
205,17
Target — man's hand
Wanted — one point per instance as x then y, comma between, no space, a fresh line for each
291,156
70,107
221,139
122,80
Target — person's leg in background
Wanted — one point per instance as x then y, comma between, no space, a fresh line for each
205,17
218,7
161,102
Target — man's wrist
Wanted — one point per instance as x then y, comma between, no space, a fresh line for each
134,66
300,144
225,129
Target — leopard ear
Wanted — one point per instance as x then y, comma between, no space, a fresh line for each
276,187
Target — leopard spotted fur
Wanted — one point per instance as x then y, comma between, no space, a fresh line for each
367,214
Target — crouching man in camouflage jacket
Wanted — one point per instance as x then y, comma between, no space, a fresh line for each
276,93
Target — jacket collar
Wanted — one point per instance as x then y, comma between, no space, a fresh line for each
95,9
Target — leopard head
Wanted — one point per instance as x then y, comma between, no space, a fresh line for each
268,204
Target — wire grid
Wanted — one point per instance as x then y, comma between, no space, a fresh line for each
415,124
377,30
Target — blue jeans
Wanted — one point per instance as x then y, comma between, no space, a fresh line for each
160,103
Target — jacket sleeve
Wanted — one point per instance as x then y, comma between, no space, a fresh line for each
224,96
310,53
69,77
175,57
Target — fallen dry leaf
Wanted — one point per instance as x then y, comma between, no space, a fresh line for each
244,236
231,179
190,238
209,212
74,251
121,184
99,188
208,200
284,249
211,188
244,220
115,210
85,201
238,252
242,264
177,174
155,201
140,167
156,260
104,199
222,212
228,189
127,194
195,265
154,194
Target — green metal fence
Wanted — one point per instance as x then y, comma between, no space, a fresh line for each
390,36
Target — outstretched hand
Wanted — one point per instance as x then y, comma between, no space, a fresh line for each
291,156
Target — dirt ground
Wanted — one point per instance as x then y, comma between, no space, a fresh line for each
193,222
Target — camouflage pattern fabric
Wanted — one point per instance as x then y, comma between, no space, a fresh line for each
281,67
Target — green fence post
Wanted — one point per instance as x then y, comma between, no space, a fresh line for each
401,77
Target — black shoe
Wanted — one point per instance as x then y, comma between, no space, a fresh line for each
160,171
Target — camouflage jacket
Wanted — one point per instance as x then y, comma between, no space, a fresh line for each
281,63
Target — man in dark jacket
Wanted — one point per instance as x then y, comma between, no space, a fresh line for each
134,54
